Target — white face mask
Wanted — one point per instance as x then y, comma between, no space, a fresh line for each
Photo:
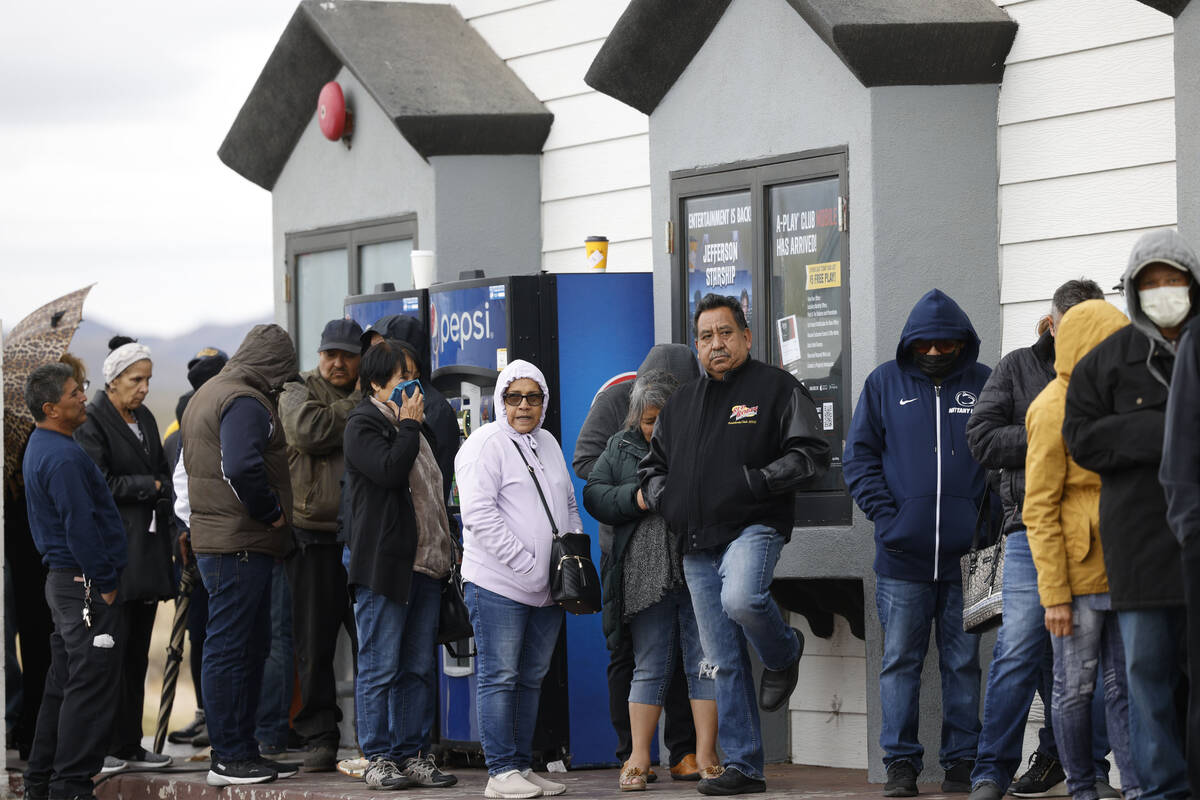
1166,306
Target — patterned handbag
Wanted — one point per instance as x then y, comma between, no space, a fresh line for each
983,575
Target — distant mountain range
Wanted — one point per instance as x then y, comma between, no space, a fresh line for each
170,356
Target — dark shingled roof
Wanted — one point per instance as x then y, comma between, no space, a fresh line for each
1172,7
431,73
883,42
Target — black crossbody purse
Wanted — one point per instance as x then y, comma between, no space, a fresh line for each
574,582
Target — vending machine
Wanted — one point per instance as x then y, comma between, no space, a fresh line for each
583,331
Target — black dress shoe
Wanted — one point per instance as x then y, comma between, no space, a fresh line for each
731,781
901,780
778,684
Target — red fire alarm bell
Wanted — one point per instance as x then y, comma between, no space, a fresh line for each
335,120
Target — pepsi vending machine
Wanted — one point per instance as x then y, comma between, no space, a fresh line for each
583,331
366,308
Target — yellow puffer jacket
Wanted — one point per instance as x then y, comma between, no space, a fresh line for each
1062,499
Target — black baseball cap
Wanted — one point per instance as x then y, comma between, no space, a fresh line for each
341,334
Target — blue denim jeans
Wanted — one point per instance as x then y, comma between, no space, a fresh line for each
394,694
659,633
1094,644
907,611
514,644
1155,643
730,590
239,638
1023,661
271,723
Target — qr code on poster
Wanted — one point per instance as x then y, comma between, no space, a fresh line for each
827,416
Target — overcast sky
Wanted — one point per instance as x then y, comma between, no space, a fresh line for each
113,113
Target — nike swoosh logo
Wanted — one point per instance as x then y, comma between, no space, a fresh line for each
906,402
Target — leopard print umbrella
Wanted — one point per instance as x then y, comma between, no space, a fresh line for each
40,338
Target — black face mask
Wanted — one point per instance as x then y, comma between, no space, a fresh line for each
938,366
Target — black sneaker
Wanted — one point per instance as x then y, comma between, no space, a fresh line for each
185,735
986,790
1044,778
423,771
777,685
958,777
283,769
731,781
902,780
321,757
236,773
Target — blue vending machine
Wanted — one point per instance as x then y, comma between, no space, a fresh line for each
583,331
366,308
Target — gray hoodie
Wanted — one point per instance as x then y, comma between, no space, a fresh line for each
1168,247
610,407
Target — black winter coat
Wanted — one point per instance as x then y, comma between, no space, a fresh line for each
611,497
130,468
1114,424
382,523
996,430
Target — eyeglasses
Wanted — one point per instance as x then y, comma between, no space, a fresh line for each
514,399
943,345
86,385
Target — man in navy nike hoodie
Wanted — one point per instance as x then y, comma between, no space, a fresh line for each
909,469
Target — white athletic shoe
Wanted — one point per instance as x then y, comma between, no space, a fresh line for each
511,785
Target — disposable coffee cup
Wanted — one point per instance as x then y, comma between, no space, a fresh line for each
423,268
597,252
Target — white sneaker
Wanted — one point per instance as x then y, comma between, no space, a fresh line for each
549,788
511,785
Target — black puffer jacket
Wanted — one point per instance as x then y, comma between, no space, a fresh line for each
130,469
996,430
611,497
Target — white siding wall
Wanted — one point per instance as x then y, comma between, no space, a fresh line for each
829,707
1087,147
596,168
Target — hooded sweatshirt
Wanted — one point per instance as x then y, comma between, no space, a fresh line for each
439,414
906,461
1062,499
506,531
610,407
1114,425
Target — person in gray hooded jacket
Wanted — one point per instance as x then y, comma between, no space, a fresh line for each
606,417
1114,424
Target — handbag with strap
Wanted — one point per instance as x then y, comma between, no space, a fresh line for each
574,582
983,575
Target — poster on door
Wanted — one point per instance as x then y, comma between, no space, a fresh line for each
719,250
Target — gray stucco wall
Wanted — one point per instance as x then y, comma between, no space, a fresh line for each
325,184
489,215
1187,120
923,214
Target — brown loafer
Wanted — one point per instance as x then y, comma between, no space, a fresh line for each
686,769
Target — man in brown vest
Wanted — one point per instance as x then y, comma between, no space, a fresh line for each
238,489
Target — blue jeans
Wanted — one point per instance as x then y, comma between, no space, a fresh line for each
1155,643
271,722
1094,643
397,669
658,633
907,611
731,597
1022,661
514,644
239,638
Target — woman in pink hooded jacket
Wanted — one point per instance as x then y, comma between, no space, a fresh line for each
506,555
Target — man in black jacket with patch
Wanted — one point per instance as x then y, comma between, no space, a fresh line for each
1114,426
728,453
1021,661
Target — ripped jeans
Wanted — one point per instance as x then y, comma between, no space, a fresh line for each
1094,648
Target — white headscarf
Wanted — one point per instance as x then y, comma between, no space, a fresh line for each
122,358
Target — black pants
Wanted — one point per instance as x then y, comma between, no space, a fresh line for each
320,607
31,616
197,628
127,725
82,692
1191,591
679,733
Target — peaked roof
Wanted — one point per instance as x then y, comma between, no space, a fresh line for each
1172,7
433,75
883,42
